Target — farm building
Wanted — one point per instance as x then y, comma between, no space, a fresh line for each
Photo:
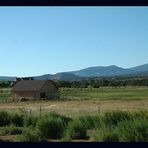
19,79
35,90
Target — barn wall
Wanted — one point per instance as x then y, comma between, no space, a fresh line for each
50,89
30,95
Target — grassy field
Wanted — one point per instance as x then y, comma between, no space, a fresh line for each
5,95
108,93
76,102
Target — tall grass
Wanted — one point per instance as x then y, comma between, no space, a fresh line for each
77,129
115,126
135,129
29,135
5,118
11,130
52,125
30,121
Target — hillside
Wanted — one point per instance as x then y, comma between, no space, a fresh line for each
98,71
101,71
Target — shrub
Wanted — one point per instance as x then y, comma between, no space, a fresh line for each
105,135
29,135
55,115
11,130
30,121
140,114
66,139
125,131
52,126
4,118
77,129
133,131
17,120
114,117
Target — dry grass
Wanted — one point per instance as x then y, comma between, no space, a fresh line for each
130,98
73,107
8,138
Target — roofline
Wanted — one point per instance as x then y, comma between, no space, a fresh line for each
35,90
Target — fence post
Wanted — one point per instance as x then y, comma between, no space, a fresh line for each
30,113
99,110
40,110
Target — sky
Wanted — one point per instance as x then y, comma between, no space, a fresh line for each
46,40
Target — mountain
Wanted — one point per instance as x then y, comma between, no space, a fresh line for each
4,78
44,77
58,76
141,68
101,71
65,76
98,71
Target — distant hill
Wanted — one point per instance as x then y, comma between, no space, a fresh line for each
4,78
65,76
44,77
58,76
101,71
98,71
141,68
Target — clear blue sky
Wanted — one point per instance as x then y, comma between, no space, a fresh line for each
41,40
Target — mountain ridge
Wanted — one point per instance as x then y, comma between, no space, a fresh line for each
95,71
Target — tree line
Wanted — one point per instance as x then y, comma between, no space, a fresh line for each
102,83
94,83
5,84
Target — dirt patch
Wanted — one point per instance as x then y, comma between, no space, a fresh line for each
8,138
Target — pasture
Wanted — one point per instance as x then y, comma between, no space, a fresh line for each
79,101
78,111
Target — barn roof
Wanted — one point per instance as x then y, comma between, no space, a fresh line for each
29,85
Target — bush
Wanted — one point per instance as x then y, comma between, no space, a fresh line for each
133,131
29,135
125,131
66,139
11,130
105,134
140,114
17,120
77,129
5,119
52,126
114,117
55,115
30,121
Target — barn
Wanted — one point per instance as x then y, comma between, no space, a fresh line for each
35,90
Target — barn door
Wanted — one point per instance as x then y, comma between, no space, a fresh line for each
43,95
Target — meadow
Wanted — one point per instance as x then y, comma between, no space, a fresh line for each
89,115
82,101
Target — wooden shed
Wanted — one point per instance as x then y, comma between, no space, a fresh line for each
35,90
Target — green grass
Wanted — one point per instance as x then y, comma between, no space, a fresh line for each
105,93
115,126
11,130
129,93
5,95
126,131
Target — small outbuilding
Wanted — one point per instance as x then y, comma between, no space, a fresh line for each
35,90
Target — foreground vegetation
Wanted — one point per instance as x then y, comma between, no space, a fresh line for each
115,126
